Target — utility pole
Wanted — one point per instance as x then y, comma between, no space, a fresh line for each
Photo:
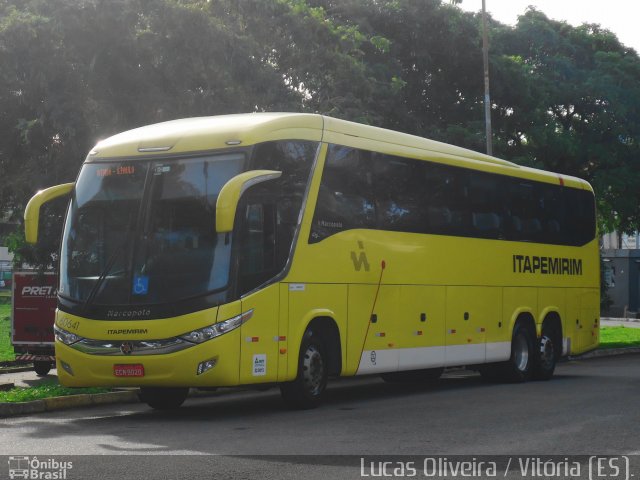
487,98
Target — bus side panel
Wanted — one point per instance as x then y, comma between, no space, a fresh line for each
498,336
309,301
589,332
550,300
284,349
571,324
583,305
380,338
517,300
470,311
360,305
422,323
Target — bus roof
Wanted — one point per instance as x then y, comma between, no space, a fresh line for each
210,133
202,134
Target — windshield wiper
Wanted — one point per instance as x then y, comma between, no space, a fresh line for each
103,275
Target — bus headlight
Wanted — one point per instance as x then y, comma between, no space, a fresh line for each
65,337
217,329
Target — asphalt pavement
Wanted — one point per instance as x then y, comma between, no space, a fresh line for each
26,377
589,407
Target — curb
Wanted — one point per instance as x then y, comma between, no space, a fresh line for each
66,402
607,352
615,319
131,396
15,369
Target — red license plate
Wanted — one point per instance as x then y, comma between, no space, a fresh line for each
128,370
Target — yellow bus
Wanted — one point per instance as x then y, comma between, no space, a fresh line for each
284,249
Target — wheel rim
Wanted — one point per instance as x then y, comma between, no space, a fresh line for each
313,370
521,353
547,353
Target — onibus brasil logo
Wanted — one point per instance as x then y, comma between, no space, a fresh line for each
33,468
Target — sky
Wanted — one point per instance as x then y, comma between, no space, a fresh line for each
619,16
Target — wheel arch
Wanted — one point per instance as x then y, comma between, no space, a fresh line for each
526,319
328,330
553,321
323,321
523,315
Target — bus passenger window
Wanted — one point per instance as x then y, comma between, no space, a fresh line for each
345,200
399,193
439,219
486,223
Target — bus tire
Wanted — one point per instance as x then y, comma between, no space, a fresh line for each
546,355
41,367
519,367
308,389
163,398
413,376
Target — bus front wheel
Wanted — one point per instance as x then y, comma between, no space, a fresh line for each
308,389
163,398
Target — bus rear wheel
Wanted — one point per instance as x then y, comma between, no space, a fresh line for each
546,355
519,367
308,389
163,398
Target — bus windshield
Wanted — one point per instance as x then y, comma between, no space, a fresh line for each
143,232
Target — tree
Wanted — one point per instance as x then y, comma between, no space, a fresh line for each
75,71
567,99
563,98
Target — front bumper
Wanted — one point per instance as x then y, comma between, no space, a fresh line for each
177,369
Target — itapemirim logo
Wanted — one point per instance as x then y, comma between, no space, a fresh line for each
34,469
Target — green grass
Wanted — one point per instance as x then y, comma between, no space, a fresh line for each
6,349
616,337
45,390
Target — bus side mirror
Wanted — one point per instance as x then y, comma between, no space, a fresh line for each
32,211
231,192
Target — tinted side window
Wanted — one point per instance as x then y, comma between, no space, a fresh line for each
293,158
362,189
399,193
522,212
345,198
257,241
268,213
484,200
580,205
